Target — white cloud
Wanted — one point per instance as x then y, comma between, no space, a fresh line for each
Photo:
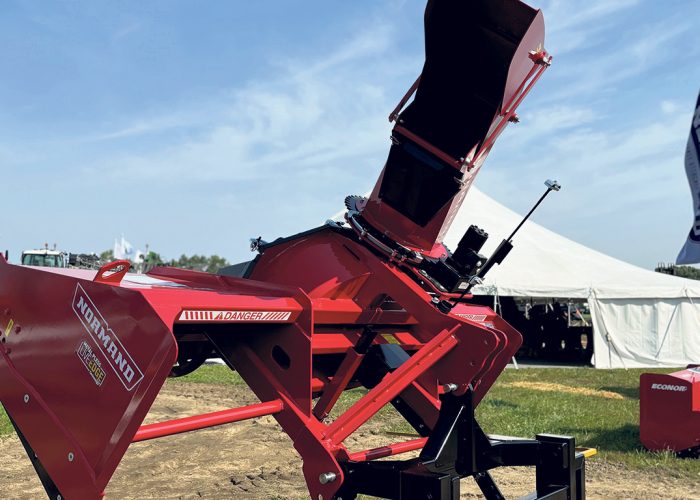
627,55
313,115
670,107
565,15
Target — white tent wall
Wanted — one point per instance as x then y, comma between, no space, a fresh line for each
641,333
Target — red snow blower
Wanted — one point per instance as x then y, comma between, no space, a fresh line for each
376,302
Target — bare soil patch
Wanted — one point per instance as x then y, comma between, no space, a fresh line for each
551,387
256,460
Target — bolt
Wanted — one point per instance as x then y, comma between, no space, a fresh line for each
327,477
59,497
26,398
70,456
435,300
449,387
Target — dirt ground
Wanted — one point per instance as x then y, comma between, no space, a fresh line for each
255,460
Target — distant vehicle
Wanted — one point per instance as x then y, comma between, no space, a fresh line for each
56,258
44,258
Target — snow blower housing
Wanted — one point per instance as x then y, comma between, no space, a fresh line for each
84,353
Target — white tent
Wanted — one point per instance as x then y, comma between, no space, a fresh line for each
640,318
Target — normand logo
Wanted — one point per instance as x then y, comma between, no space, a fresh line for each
117,356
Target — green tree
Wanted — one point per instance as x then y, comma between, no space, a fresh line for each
689,272
203,263
215,263
210,264
107,256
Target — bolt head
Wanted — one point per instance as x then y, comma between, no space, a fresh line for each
26,398
327,477
71,457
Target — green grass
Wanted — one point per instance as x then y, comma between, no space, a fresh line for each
610,425
5,425
210,374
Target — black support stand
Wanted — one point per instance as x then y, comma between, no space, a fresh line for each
458,448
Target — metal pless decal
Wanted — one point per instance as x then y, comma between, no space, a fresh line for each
669,387
117,356
91,362
479,318
233,316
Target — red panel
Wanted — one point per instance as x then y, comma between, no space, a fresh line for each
668,408
90,359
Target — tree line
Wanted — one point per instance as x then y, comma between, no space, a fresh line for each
689,272
208,264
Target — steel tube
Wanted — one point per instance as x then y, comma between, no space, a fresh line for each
390,386
388,451
180,425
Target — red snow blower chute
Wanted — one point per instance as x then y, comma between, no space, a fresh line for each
375,302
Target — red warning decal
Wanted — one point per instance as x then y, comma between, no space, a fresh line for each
198,315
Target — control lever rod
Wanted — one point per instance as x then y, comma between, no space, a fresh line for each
501,251
506,245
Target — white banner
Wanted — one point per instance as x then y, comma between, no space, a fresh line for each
690,253
123,249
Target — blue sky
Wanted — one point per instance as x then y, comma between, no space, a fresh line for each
194,126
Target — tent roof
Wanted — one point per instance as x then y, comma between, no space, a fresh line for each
545,264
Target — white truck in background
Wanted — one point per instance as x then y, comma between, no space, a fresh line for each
46,257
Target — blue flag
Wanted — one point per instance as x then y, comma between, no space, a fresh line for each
690,253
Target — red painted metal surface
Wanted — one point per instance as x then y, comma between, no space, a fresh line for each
113,272
669,410
206,420
83,372
338,384
390,387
